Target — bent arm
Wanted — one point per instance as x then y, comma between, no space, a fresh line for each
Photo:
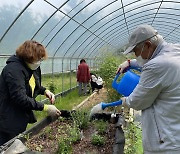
133,63
147,90
16,83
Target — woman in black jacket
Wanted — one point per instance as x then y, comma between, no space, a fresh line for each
20,83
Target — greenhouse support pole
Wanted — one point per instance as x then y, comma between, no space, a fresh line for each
53,70
62,75
70,75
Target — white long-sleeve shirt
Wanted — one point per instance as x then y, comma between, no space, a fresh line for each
98,80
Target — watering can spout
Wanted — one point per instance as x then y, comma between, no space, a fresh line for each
105,105
101,106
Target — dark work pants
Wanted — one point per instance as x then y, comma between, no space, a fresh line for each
4,137
94,85
83,86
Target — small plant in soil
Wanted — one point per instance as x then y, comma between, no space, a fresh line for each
80,119
74,134
64,146
97,139
101,126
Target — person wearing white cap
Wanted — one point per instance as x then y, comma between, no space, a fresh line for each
157,94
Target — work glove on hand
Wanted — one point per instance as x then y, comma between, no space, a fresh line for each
52,110
123,67
50,95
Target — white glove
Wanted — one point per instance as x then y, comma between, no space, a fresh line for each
50,95
123,66
52,110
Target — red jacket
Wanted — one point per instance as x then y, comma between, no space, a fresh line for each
83,74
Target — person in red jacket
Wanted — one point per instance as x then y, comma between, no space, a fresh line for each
83,76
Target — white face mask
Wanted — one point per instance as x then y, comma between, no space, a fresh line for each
34,66
140,60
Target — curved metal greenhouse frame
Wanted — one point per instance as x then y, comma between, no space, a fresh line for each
75,29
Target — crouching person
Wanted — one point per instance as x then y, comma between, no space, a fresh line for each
96,82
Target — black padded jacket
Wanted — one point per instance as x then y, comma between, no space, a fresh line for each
16,100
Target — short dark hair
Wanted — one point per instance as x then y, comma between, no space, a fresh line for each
93,74
82,60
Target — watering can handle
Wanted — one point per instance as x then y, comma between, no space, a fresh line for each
104,105
115,84
134,68
129,68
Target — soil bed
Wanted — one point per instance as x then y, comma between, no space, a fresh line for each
85,145
47,140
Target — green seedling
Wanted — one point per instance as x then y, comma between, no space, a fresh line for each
97,140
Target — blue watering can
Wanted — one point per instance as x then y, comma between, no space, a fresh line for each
124,87
127,83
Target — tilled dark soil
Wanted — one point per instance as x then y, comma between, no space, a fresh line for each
47,140
85,146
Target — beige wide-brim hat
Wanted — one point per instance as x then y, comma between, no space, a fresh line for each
140,34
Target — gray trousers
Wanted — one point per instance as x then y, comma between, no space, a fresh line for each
82,88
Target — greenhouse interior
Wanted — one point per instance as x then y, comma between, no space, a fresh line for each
70,30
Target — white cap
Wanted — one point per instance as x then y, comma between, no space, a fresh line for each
140,34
